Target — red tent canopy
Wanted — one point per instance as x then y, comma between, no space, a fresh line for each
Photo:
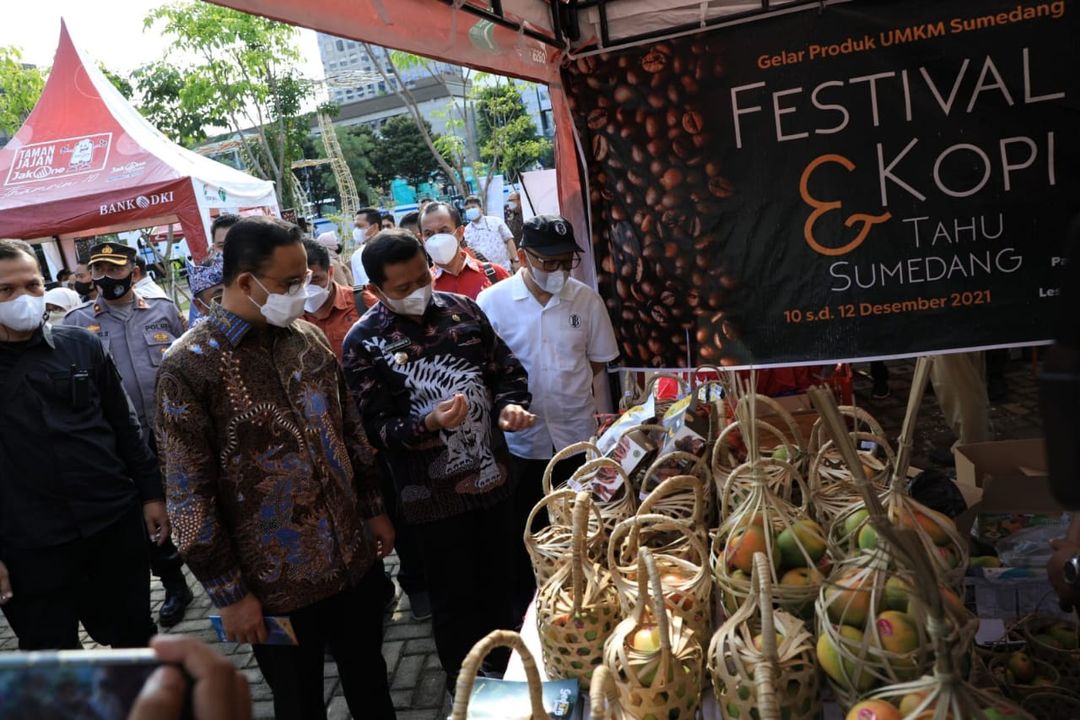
86,162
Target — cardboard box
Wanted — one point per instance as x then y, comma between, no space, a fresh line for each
1005,478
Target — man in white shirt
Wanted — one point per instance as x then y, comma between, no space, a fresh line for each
559,329
489,235
366,225
144,284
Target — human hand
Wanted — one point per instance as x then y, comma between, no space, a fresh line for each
220,693
243,621
382,530
448,414
157,522
5,584
1064,550
514,418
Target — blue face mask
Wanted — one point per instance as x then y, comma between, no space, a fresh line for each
472,213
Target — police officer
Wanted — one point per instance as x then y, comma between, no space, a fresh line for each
136,331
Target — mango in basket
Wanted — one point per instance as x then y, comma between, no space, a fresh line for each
646,639
854,520
896,632
1000,712
874,710
910,702
742,545
801,577
867,537
897,594
806,533
985,561
1021,667
848,601
758,641
1065,635
839,668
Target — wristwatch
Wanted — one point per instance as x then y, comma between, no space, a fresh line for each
1071,571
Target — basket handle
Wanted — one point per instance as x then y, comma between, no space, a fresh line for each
600,462
471,666
650,593
766,672
566,452
632,527
582,504
673,485
603,694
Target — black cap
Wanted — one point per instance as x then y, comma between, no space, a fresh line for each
112,252
548,235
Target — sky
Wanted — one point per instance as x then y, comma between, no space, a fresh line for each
110,31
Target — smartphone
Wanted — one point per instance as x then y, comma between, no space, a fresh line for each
73,683
279,630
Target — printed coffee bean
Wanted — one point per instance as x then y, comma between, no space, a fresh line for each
586,65
672,178
623,94
656,101
657,147
654,61
597,119
652,126
692,122
599,148
690,85
720,187
635,177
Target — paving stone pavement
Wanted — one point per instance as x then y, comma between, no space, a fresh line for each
416,678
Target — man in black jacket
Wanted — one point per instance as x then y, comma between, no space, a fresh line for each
78,484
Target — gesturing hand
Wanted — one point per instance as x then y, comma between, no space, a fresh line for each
448,414
514,418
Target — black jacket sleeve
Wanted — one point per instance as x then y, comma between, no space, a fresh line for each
116,406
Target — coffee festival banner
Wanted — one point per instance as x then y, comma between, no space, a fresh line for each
875,179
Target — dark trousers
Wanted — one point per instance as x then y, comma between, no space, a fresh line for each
528,476
102,581
469,559
411,560
350,624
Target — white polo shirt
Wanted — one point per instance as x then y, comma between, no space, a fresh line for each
555,343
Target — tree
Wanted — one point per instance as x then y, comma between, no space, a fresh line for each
402,152
245,75
160,86
20,88
120,83
357,146
506,134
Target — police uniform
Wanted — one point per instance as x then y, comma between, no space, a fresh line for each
137,335
136,342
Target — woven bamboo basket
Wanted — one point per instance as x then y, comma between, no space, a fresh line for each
832,488
550,547
725,459
684,501
1017,690
471,667
577,609
944,694
761,660
1056,705
593,474
604,696
557,514
766,522
856,418
664,683
682,559
1035,628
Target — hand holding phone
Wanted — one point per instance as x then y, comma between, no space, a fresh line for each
219,691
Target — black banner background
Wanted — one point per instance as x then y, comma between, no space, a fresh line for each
699,221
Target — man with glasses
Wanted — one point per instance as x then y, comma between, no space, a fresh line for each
136,331
560,330
271,482
455,270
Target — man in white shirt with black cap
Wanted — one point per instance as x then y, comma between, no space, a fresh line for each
559,329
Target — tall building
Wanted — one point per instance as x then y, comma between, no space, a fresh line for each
344,61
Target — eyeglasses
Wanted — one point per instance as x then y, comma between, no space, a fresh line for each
553,264
295,285
108,269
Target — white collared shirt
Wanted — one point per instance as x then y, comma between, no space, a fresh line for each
359,276
555,343
150,289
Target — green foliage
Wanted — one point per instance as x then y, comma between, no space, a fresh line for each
120,83
357,145
245,74
505,133
20,89
402,152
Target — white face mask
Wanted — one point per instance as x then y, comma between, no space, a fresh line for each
56,317
442,247
24,313
415,303
316,296
472,213
357,235
281,309
549,282
512,205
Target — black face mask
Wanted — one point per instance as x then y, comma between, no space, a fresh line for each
83,288
113,288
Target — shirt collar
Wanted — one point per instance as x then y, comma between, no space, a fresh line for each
231,325
471,263
518,289
343,297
